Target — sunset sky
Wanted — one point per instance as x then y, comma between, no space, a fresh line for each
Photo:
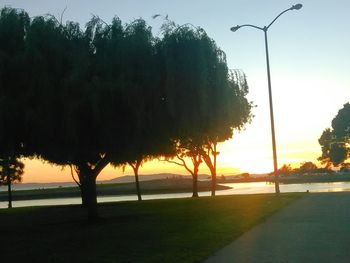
310,71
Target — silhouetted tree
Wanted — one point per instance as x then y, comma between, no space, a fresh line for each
325,141
209,154
232,112
188,149
111,93
13,27
48,100
212,103
135,166
285,170
64,121
335,143
11,171
147,121
307,167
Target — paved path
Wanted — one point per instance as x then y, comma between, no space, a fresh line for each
315,228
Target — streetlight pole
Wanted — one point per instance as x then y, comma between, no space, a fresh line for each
265,29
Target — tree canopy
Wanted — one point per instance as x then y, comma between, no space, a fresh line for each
335,141
110,93
11,171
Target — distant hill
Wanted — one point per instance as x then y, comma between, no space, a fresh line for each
121,179
29,186
149,177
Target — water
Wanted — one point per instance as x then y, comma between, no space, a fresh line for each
238,188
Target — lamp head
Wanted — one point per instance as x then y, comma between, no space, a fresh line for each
156,15
296,7
235,28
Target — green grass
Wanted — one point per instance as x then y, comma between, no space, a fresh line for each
173,230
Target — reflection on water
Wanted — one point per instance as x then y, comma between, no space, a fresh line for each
262,187
237,188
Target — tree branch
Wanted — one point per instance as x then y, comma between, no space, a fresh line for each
100,19
71,171
100,165
184,164
64,10
170,161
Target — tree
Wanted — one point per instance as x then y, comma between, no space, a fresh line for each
83,96
335,142
109,93
49,97
209,154
325,141
93,117
233,111
212,103
63,122
191,150
11,171
308,167
135,165
338,153
285,170
13,27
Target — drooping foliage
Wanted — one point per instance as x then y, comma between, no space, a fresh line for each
211,100
233,114
110,93
212,103
335,142
13,28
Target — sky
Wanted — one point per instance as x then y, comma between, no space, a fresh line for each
309,60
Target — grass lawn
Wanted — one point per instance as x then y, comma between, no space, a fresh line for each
173,230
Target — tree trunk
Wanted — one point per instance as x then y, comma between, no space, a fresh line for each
89,195
83,198
196,160
135,166
9,191
213,184
213,172
87,176
211,165
139,198
195,185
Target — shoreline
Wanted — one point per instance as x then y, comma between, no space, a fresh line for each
160,186
163,186
300,179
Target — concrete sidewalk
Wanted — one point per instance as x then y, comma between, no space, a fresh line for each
315,228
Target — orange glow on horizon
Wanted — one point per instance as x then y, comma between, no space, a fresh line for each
233,159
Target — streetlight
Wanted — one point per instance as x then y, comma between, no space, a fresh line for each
265,28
